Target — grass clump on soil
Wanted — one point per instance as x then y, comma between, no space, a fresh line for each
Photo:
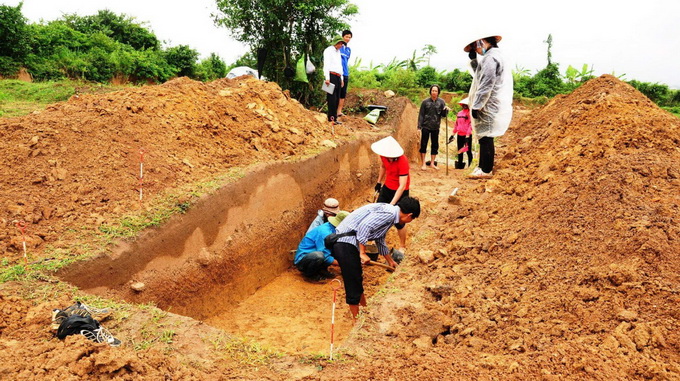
18,98
242,350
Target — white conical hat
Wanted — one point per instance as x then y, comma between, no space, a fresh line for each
464,101
388,147
483,36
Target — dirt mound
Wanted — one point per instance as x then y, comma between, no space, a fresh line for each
564,266
78,162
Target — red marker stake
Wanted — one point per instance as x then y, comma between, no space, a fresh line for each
141,175
21,225
335,294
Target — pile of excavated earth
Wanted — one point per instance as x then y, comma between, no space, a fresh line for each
563,266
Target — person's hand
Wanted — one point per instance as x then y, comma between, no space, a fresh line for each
327,82
342,83
391,262
377,187
419,128
364,258
475,114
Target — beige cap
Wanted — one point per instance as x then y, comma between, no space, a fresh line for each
331,206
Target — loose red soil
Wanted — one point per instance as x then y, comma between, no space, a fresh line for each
563,266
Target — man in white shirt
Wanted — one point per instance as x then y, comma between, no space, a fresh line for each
332,72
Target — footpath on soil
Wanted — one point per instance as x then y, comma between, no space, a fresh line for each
563,266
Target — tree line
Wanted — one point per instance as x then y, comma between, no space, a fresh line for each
95,48
106,45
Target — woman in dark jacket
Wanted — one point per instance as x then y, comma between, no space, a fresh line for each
431,111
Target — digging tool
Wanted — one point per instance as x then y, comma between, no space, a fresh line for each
335,289
388,267
453,198
375,196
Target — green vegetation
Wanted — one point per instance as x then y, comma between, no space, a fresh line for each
95,48
19,98
280,32
241,350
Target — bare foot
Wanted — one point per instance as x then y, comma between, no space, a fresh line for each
424,167
434,167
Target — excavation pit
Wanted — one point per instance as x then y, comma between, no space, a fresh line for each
227,261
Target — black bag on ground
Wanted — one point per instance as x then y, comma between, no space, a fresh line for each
75,324
332,238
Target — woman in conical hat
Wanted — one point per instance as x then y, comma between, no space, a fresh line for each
394,179
490,99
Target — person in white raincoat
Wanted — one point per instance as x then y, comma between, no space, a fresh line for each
490,99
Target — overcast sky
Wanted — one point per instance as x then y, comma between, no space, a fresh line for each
640,39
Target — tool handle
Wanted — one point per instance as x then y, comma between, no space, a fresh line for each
381,265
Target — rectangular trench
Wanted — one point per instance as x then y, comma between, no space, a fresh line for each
237,240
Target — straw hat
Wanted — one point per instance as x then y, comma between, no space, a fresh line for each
467,46
464,101
387,147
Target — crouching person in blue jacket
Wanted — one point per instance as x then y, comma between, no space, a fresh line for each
312,257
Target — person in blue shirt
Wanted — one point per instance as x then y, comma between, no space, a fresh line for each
345,53
331,207
312,257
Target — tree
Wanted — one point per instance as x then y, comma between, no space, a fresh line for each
120,28
276,31
549,42
183,59
211,68
413,62
428,51
427,76
14,39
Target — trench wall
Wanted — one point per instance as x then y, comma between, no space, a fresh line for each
238,239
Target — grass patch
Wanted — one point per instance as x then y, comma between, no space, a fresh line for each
241,350
18,98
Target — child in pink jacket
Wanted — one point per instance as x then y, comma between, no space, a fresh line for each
463,128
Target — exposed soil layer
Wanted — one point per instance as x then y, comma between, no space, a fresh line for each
563,266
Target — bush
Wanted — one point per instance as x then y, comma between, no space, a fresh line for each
427,76
456,80
211,68
14,38
364,79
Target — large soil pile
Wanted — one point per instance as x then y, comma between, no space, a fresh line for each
565,265
76,164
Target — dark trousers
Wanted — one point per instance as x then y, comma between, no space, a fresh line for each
333,99
311,264
424,136
461,141
386,194
486,154
347,256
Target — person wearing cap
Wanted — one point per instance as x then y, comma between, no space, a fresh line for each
345,53
330,208
394,179
312,257
432,110
368,223
462,132
490,99
332,72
